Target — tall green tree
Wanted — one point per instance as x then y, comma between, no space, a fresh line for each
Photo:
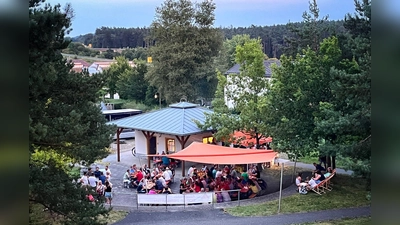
186,43
226,57
248,91
131,83
114,73
251,87
297,89
65,125
345,119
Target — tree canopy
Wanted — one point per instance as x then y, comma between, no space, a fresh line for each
247,90
185,44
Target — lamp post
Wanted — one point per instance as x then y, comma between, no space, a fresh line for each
158,95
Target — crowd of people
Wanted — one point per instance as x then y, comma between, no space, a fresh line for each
146,180
226,181
221,179
98,183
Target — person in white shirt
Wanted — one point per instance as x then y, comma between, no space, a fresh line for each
190,171
84,179
218,173
311,184
153,173
126,179
92,180
164,184
166,176
169,171
107,170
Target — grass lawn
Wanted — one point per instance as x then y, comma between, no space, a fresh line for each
38,216
347,192
115,216
347,221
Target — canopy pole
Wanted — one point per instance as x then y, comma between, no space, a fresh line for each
182,140
119,131
148,136
280,189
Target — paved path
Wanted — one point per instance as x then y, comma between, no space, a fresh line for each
218,217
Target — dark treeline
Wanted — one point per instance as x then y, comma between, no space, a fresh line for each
272,37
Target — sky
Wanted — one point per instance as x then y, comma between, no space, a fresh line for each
92,14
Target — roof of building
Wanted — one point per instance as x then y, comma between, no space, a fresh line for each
267,64
80,62
177,119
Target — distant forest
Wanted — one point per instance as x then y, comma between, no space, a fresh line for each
273,37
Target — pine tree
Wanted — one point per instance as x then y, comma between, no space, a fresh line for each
308,34
65,125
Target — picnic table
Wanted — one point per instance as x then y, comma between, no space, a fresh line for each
149,185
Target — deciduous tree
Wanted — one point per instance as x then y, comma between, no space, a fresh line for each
186,43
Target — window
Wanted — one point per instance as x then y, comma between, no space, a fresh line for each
208,140
170,146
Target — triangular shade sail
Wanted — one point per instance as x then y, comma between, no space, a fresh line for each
216,154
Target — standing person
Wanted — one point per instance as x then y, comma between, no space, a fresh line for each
84,179
107,192
97,172
89,171
318,167
108,176
102,178
99,190
126,179
92,181
108,170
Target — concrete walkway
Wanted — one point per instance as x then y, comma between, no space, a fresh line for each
218,217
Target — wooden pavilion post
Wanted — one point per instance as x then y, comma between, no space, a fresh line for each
119,131
182,140
148,136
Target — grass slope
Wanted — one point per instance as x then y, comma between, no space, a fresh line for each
347,192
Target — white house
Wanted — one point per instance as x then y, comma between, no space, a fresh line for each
236,70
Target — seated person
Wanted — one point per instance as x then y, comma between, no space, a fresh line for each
126,178
318,167
139,188
328,172
311,184
253,189
153,190
182,186
318,177
225,195
159,184
298,180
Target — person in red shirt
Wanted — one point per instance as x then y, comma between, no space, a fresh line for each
139,176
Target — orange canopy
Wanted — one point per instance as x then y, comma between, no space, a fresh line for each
216,154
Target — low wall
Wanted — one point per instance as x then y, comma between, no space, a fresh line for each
175,199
